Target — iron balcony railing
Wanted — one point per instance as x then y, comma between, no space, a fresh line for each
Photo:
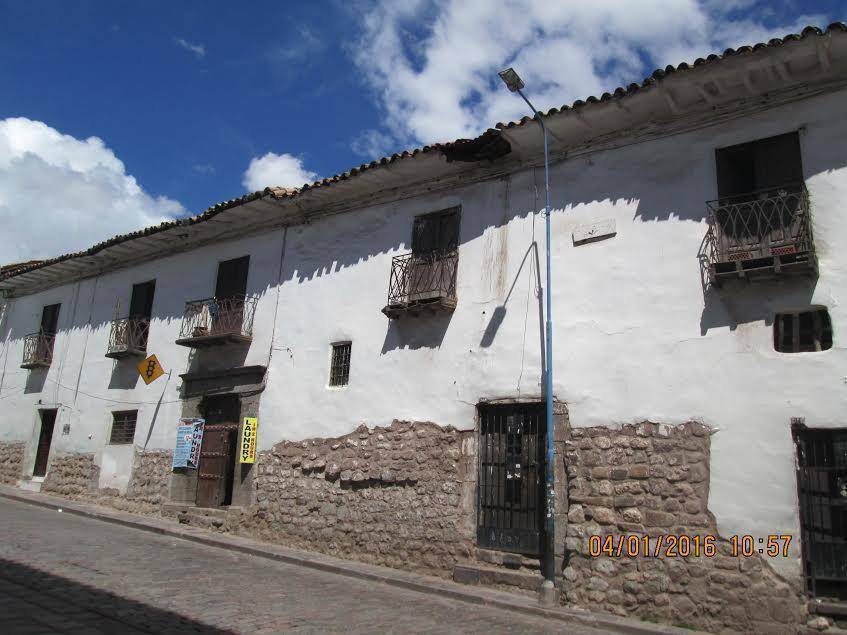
759,226
128,336
422,279
38,350
218,317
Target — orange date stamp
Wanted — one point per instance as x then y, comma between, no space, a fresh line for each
684,545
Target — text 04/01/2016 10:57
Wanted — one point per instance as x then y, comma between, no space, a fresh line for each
683,545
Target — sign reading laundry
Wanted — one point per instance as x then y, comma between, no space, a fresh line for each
189,437
196,441
247,446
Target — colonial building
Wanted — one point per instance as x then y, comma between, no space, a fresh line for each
384,329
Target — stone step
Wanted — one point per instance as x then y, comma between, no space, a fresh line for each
30,486
483,575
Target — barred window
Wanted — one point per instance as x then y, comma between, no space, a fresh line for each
802,331
123,426
339,370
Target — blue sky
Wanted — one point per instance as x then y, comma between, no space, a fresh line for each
117,115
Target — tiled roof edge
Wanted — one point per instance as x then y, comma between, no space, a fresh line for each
286,193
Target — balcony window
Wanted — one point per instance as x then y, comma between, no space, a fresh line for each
128,335
426,277
38,347
226,317
759,226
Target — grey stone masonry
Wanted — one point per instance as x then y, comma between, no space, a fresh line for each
11,456
388,495
73,476
652,480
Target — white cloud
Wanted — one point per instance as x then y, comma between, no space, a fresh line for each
433,64
372,144
60,194
198,50
282,170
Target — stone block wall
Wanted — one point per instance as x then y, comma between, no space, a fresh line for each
148,485
654,480
11,457
389,495
72,475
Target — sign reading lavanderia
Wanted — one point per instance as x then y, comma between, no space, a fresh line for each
189,437
247,447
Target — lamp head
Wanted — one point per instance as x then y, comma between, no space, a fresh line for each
512,80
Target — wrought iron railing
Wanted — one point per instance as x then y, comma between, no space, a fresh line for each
763,224
128,334
218,316
38,349
419,278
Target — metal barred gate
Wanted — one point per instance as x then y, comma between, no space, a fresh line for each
510,489
822,490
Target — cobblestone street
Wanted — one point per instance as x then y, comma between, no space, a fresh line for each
61,573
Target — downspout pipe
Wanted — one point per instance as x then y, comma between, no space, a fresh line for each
549,561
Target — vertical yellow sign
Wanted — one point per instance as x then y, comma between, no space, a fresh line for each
247,446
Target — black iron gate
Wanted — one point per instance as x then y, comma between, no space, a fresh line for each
510,495
822,488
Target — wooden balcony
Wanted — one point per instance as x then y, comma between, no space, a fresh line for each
217,321
760,235
422,283
128,338
38,350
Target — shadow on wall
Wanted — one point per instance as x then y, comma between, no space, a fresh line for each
741,302
124,374
49,600
35,380
426,331
663,179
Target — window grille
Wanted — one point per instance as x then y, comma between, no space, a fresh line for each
123,426
339,371
804,331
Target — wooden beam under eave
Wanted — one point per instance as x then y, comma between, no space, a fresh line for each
669,99
783,72
748,82
822,49
705,93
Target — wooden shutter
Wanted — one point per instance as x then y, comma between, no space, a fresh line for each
50,319
232,278
141,304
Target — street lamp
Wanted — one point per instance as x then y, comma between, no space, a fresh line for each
514,83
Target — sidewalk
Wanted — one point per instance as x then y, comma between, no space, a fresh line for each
424,584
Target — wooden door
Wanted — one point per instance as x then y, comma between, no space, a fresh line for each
230,290
217,452
434,236
45,437
140,311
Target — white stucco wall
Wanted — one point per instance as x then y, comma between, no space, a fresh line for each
634,336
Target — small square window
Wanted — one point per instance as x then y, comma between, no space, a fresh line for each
802,331
339,370
123,427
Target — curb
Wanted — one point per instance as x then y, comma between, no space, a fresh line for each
372,573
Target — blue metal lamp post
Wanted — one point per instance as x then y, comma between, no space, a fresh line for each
515,84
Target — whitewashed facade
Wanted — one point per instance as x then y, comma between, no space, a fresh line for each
637,335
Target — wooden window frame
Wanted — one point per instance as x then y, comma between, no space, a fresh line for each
118,435
339,364
789,343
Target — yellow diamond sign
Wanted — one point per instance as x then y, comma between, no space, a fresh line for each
150,369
